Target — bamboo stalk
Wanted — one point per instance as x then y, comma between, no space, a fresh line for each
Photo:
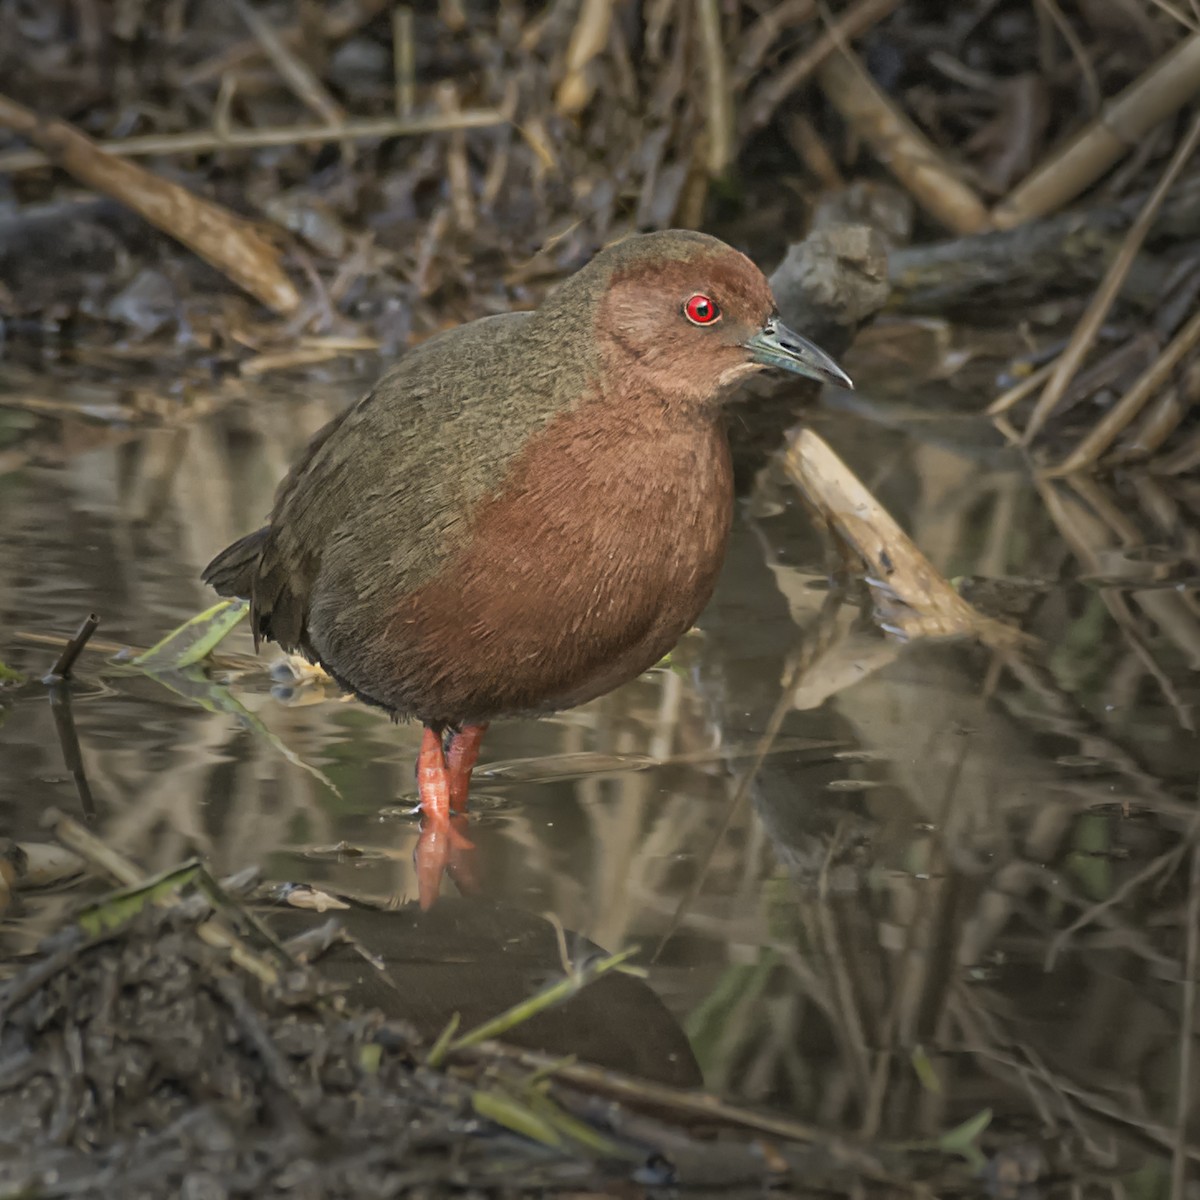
901,146
1121,125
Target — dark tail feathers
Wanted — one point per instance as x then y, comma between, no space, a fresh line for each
232,572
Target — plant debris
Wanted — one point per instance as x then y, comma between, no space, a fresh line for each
144,1056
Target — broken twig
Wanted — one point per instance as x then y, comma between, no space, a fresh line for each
225,241
73,649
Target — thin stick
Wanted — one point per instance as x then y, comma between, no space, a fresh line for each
68,743
1076,47
705,1107
1019,391
404,71
1093,318
335,23
853,23
1122,123
548,997
1187,1040
718,98
1118,417
204,141
307,88
72,650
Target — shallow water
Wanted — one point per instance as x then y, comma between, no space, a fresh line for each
963,880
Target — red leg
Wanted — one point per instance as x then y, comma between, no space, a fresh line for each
433,779
461,756
443,843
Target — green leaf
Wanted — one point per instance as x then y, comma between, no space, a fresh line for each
438,1050
9,676
195,639
118,907
963,1139
925,1070
556,993
578,1131
514,1116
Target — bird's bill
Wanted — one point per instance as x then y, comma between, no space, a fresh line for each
775,345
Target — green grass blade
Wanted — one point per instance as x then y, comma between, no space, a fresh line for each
195,639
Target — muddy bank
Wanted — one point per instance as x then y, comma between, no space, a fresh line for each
152,1047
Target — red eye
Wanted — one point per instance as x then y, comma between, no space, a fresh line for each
701,309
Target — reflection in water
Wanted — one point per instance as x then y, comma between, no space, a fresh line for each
966,880
477,958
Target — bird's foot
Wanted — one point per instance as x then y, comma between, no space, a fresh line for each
443,845
462,753
444,848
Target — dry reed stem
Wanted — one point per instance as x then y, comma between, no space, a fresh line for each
1019,391
1192,23
1069,362
803,137
762,34
1187,1039
1068,34
1172,408
336,22
225,241
404,70
1122,124
853,23
306,87
1110,426
213,931
205,141
901,146
718,97
588,39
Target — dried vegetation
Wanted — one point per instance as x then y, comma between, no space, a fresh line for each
198,199
359,175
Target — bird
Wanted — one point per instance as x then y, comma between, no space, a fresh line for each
526,510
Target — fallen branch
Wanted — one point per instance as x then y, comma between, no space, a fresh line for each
912,598
225,241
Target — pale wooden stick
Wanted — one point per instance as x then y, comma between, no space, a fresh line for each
588,39
204,141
